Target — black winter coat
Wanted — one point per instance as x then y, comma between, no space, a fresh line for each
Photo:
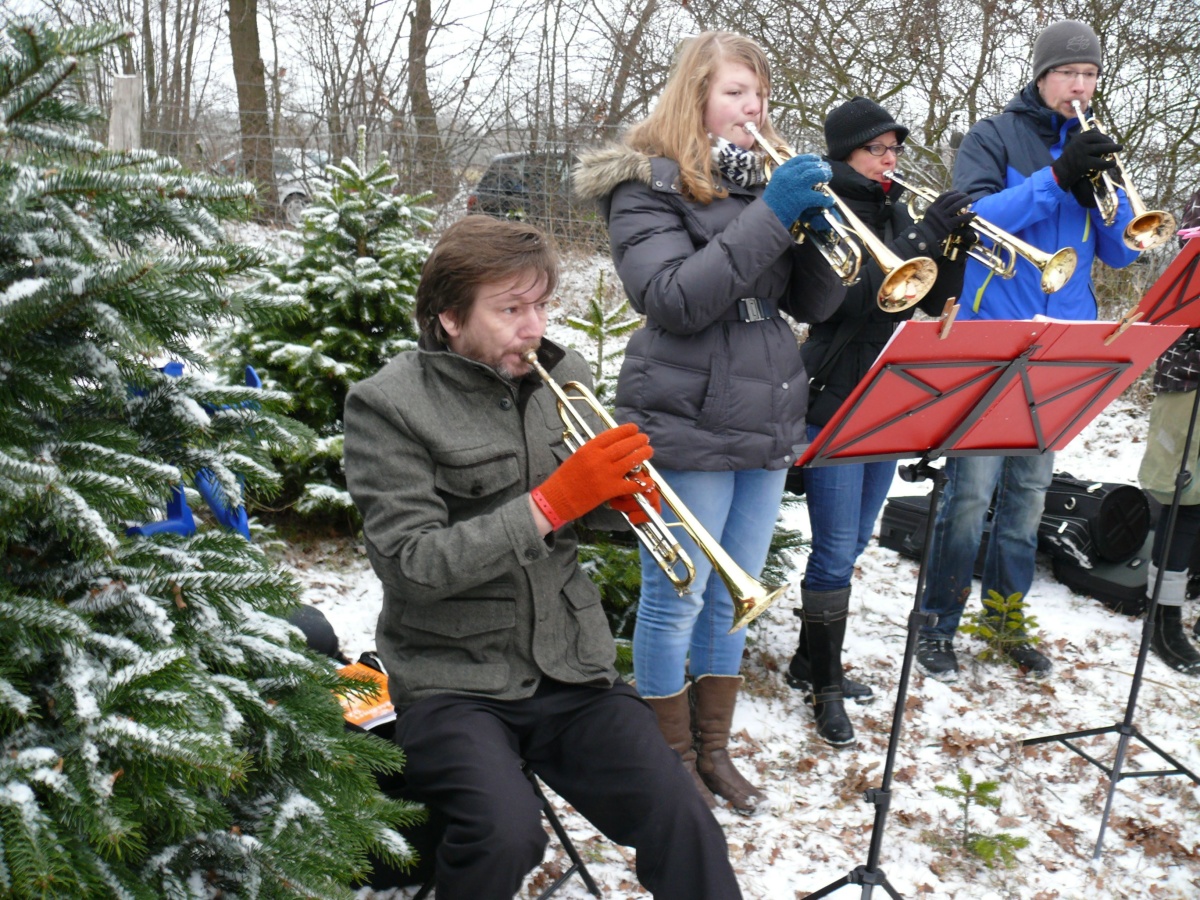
888,217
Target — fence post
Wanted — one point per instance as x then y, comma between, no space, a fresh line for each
125,121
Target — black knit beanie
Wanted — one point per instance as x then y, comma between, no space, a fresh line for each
1064,42
854,123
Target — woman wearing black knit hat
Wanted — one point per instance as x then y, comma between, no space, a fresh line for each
863,144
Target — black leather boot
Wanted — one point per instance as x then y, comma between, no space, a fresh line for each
1167,637
825,615
798,674
833,725
1170,642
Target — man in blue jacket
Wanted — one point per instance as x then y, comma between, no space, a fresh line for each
1027,170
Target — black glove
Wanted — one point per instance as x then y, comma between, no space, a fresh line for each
1085,152
1083,193
965,237
946,214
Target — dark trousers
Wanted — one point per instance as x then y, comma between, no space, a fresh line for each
1187,526
598,748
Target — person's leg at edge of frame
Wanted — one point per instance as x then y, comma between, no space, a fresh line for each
957,533
1168,639
715,658
611,766
461,759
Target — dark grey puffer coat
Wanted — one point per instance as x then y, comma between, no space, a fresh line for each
713,392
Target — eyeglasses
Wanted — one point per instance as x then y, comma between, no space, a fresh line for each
880,149
1072,74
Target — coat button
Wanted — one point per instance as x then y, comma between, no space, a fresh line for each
912,235
658,184
505,403
784,386
531,554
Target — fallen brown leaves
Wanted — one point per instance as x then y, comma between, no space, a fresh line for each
1154,840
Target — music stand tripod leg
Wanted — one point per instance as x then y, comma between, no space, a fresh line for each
1126,729
870,876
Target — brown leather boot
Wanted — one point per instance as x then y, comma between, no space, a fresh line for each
716,696
675,723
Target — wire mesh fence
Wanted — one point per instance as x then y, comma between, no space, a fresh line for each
487,172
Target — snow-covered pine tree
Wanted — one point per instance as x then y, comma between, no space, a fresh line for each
163,733
353,288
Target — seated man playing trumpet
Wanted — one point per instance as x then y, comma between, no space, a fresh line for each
1030,171
497,650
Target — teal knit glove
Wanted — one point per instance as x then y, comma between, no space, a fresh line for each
791,194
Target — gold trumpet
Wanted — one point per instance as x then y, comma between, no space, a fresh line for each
1056,268
905,281
1149,227
750,597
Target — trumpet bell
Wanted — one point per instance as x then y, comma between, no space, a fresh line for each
907,284
750,597
1057,269
748,608
1149,230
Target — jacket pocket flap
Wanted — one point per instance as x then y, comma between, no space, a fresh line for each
581,592
477,479
460,617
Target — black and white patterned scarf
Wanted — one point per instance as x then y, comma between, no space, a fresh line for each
742,167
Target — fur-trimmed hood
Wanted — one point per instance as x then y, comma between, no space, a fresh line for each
599,171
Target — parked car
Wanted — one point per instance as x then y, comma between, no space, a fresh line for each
296,172
524,186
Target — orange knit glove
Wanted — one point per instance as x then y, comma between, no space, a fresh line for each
593,474
629,505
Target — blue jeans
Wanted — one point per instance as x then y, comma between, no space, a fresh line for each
843,504
1019,484
739,510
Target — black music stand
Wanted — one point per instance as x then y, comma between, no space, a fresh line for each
1172,300
1013,388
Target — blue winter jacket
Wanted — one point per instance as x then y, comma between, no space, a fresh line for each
1004,164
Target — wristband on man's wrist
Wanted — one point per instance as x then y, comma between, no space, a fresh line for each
556,522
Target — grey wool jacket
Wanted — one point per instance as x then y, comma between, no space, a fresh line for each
440,453
714,393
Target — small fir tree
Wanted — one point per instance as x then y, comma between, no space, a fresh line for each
611,559
1002,624
163,732
347,305
993,849
605,327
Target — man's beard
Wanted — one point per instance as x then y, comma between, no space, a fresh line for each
510,376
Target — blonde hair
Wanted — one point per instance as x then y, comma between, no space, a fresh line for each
675,128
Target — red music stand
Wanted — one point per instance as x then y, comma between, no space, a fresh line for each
1173,301
987,388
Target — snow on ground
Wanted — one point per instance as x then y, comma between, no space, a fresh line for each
816,827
